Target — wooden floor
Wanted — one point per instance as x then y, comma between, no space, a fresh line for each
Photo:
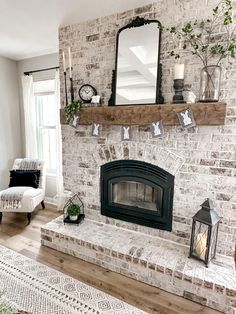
25,239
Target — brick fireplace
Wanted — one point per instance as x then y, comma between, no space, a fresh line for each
153,256
201,159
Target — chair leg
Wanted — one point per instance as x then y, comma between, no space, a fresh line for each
29,217
43,205
0,217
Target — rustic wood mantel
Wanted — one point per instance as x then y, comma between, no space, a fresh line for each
204,114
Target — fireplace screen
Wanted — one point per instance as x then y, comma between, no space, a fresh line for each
137,192
137,195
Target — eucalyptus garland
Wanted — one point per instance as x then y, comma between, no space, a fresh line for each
71,109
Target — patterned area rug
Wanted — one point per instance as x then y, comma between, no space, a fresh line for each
38,289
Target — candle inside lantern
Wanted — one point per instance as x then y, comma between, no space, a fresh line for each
179,71
64,62
70,62
201,245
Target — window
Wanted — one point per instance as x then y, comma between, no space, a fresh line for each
46,113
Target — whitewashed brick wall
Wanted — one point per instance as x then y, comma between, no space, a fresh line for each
208,152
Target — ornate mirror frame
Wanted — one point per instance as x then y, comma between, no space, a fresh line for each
137,22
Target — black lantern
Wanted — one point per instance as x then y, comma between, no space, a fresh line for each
204,233
73,210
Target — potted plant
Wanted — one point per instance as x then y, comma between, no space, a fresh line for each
71,109
202,39
73,211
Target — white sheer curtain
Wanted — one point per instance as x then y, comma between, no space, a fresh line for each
30,117
60,190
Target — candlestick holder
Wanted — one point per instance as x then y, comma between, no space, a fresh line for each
66,89
71,89
178,86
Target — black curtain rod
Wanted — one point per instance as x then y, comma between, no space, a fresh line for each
30,72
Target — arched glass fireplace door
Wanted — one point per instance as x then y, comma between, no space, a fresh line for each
137,192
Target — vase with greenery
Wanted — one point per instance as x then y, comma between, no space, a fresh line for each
71,109
211,40
73,211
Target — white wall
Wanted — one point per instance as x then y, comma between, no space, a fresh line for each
10,122
38,63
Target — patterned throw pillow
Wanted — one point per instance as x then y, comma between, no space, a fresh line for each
24,178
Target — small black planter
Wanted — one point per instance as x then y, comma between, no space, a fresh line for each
74,200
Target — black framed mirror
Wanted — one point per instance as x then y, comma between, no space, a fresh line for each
137,76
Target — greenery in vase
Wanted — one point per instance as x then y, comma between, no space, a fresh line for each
73,210
202,40
71,109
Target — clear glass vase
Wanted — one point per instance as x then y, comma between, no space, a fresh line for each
210,84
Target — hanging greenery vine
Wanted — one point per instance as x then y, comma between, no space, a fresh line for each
71,109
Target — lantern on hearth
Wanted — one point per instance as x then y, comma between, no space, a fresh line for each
204,233
73,210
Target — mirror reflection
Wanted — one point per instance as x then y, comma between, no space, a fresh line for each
137,65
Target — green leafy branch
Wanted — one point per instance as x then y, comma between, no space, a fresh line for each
71,109
200,37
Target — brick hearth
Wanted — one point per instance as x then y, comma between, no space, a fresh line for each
152,260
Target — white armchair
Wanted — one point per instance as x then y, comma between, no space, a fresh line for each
32,197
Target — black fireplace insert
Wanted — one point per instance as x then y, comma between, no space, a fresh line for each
137,192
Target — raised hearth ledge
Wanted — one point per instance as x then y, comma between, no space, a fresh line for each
152,260
204,114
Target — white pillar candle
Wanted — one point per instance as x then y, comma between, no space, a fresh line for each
70,62
179,71
201,245
64,61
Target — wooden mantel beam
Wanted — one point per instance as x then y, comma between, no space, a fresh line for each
204,114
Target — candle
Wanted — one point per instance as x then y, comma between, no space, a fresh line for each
70,63
179,71
201,245
64,61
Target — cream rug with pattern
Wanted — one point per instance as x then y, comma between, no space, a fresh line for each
39,289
